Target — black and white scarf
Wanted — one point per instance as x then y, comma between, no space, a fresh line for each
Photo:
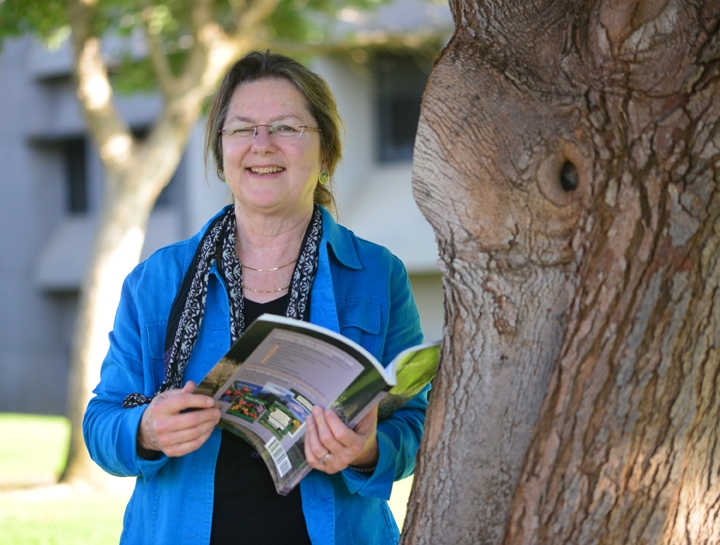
188,308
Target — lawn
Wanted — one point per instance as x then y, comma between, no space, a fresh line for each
33,512
32,448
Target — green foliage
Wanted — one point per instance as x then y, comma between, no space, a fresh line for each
303,22
308,21
41,17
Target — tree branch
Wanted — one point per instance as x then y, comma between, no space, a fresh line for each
214,50
200,16
106,126
238,7
212,53
158,58
254,16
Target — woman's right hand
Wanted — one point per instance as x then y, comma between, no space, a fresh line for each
165,427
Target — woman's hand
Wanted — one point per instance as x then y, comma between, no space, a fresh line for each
331,446
164,427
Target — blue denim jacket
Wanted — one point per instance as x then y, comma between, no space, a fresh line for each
360,290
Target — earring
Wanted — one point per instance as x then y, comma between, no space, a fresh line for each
324,176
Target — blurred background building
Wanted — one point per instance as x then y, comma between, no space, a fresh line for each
51,183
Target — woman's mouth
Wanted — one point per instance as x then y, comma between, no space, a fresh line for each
265,170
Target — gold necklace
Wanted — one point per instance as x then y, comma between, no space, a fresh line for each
265,291
269,270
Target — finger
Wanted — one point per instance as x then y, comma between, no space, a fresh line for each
187,435
314,449
324,432
369,420
340,433
367,427
307,446
175,401
195,436
311,444
187,420
185,444
185,428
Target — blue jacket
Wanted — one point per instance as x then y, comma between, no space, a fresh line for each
360,290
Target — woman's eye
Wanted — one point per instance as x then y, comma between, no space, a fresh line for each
242,131
287,129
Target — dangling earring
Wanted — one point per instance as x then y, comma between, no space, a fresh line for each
324,176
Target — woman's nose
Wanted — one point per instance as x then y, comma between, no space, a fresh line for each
262,138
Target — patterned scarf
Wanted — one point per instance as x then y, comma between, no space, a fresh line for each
186,314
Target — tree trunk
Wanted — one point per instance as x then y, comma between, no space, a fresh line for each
136,173
568,158
118,244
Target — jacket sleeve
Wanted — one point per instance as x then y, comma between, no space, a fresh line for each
109,429
398,436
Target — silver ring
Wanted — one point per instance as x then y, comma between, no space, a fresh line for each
324,459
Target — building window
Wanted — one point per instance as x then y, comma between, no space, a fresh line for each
168,195
76,189
400,83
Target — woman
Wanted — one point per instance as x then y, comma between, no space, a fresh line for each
274,134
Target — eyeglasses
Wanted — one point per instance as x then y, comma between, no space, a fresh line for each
245,133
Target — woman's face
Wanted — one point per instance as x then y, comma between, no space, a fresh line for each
271,173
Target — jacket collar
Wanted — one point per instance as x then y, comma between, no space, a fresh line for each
340,240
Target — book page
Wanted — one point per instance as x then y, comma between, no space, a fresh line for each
413,369
275,389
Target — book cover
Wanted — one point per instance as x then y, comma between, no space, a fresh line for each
268,382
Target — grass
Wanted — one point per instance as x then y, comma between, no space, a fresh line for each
32,450
35,512
60,516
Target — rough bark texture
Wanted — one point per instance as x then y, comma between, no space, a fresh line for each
577,401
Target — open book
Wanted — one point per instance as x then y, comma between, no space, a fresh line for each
280,368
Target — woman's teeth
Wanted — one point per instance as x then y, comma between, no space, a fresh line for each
266,170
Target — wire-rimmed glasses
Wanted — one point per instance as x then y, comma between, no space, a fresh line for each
244,133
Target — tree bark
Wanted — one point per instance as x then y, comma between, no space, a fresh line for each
568,158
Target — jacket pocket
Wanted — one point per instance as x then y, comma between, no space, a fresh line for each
361,321
155,339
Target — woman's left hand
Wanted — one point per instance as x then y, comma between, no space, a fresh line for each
330,446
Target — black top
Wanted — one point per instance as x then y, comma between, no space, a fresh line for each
247,508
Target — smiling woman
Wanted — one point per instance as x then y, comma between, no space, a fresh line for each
317,99
274,134
271,172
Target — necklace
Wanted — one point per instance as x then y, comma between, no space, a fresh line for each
268,270
265,291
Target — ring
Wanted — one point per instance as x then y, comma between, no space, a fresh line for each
324,458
